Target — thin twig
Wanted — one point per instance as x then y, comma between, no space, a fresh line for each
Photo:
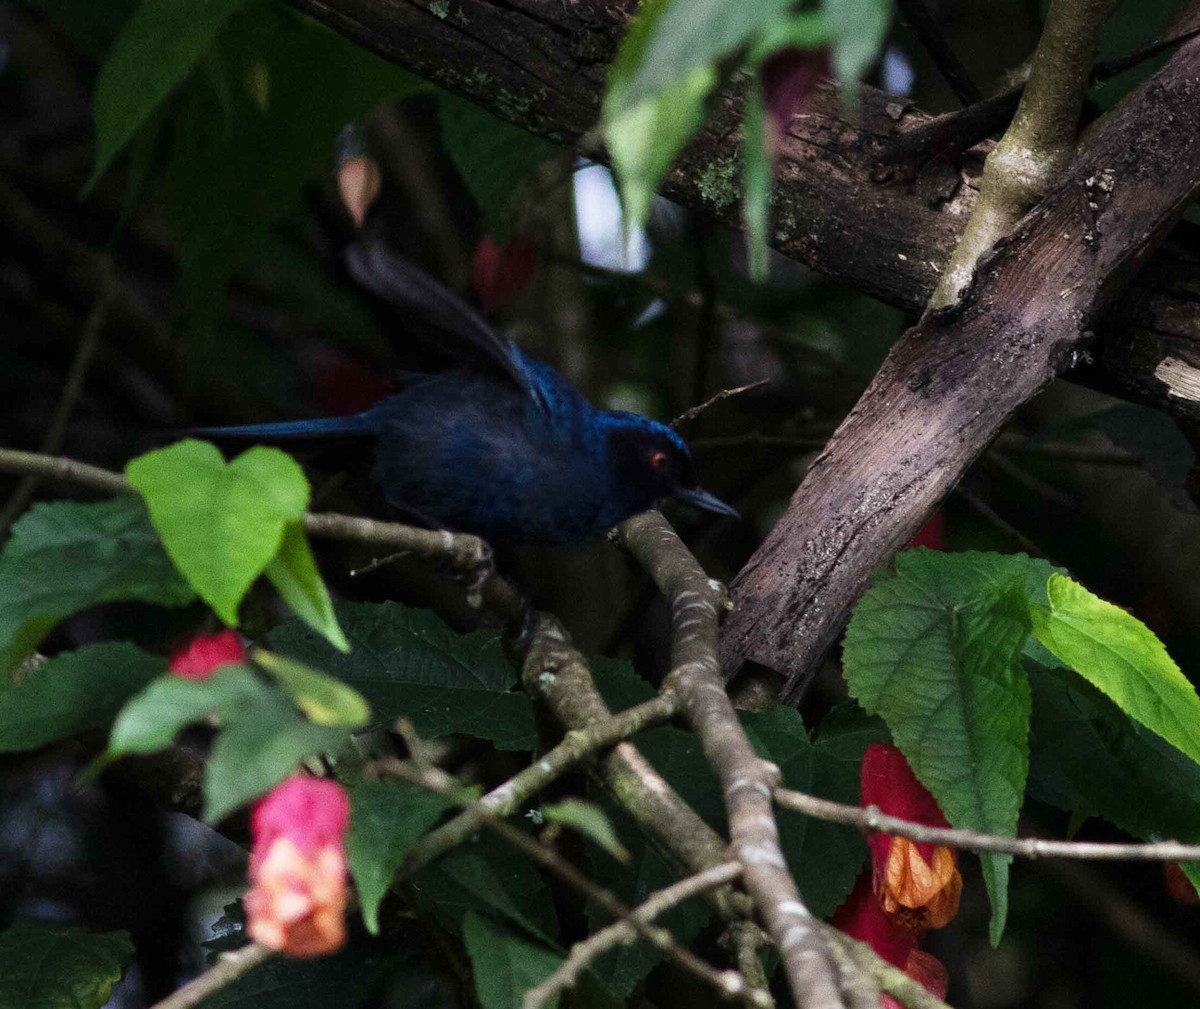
587,951
940,51
576,746
871,820
954,132
695,411
1000,522
228,968
1127,920
728,983
747,781
52,440
467,553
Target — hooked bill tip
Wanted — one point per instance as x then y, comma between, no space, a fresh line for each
705,501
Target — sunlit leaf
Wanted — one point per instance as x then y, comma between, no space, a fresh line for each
221,523
1122,657
294,574
322,698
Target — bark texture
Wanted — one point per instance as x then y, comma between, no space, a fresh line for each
950,383
847,203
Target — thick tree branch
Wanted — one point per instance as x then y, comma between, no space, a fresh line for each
541,64
1039,142
747,781
950,383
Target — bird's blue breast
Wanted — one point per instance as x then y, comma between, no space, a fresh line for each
468,451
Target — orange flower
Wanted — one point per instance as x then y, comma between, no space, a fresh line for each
205,654
910,887
297,899
919,884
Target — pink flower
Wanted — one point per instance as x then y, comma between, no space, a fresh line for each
205,654
297,899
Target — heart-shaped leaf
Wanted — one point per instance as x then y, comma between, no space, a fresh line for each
222,524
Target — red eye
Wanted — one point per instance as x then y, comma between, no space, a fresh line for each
658,460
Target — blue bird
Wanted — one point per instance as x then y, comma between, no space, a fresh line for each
500,444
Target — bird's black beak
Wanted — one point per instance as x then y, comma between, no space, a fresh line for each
705,501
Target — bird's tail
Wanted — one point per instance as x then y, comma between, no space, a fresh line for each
355,425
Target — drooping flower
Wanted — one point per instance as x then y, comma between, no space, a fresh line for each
205,654
911,887
297,899
918,883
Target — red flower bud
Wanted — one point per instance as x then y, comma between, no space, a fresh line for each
205,654
297,899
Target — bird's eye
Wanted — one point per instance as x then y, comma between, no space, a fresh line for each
658,460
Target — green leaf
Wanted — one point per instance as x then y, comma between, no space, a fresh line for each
64,557
55,968
221,523
493,157
1109,765
493,879
505,964
826,858
386,819
409,663
935,649
671,38
256,752
72,693
644,140
858,28
154,717
666,67
618,682
156,49
294,574
1120,655
249,136
589,820
323,699
262,740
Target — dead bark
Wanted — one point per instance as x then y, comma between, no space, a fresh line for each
842,206
951,382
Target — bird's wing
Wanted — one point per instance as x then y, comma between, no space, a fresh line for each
475,341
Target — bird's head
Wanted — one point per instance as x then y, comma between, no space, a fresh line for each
651,462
